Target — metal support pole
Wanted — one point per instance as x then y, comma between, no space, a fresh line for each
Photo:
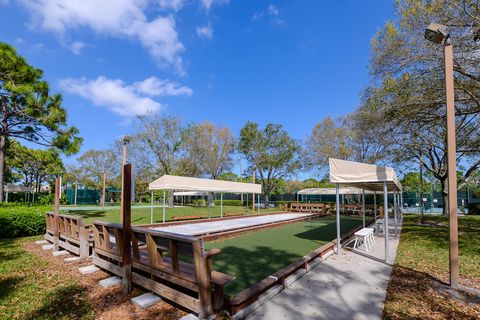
385,220
452,166
75,194
395,199
363,206
163,206
375,206
103,190
208,205
338,219
151,207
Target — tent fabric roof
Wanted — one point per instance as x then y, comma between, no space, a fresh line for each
10,187
362,175
168,182
190,193
330,191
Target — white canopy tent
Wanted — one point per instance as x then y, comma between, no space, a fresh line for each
188,184
13,188
367,177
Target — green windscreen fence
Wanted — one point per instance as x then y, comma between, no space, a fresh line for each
84,196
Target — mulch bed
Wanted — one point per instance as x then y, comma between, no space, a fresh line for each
108,303
417,295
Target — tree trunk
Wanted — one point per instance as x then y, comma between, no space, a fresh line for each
2,165
267,199
421,187
444,186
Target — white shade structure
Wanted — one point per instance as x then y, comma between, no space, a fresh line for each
178,183
13,188
199,185
366,177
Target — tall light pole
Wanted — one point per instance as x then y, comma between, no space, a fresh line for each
125,140
439,34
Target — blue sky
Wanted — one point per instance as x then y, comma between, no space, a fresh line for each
223,61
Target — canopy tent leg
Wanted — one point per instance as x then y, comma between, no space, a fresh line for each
221,205
395,199
363,206
151,207
385,220
163,207
338,218
208,205
375,206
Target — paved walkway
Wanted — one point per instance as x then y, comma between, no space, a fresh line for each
230,224
346,286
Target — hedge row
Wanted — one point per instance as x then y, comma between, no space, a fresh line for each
20,221
474,208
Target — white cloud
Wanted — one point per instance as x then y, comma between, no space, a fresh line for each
154,87
207,4
118,18
121,98
174,5
205,32
77,47
273,14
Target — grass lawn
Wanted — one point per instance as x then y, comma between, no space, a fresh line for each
254,256
141,214
418,286
30,289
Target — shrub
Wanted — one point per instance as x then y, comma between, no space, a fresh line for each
229,202
19,221
474,208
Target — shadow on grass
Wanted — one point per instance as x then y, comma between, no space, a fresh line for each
327,232
69,302
250,265
88,214
8,285
411,292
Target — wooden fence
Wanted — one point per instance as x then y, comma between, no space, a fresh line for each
174,266
73,234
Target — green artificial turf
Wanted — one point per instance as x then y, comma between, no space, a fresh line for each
141,215
254,256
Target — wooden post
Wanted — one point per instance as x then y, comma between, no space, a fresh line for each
203,279
127,224
56,212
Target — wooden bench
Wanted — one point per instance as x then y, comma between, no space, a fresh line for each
174,266
73,235
179,218
308,207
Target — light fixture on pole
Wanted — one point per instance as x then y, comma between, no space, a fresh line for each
126,140
439,34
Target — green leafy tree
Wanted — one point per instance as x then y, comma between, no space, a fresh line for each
28,110
34,167
406,98
271,152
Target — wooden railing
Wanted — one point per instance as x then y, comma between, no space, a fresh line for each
171,265
73,234
309,207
